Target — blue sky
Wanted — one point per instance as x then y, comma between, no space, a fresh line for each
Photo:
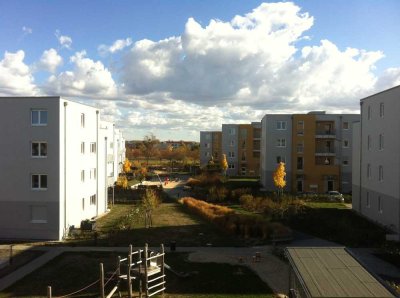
65,47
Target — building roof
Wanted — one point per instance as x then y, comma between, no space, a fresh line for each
333,272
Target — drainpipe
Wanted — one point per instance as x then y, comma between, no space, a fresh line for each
65,169
360,158
97,163
105,175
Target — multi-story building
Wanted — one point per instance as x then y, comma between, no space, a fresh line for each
241,144
58,158
376,170
210,147
315,147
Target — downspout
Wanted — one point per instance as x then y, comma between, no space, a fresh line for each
65,169
360,159
97,163
105,175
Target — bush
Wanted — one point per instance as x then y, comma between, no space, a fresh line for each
238,192
246,226
217,193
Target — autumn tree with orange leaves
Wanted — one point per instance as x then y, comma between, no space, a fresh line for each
224,163
279,177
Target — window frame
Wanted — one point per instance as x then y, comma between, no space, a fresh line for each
39,187
281,142
39,143
281,125
39,123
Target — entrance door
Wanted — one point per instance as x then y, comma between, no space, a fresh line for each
299,185
330,185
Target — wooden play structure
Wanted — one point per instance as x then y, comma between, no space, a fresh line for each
145,266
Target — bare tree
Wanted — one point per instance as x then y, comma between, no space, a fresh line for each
149,147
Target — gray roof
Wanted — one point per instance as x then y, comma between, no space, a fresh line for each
333,272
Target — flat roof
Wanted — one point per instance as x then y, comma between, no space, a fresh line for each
333,272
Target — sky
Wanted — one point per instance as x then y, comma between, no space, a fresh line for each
174,68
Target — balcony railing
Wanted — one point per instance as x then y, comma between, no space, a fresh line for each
325,151
327,133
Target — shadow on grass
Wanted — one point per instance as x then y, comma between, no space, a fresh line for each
343,226
72,271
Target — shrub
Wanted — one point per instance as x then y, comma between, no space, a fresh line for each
243,225
217,193
238,192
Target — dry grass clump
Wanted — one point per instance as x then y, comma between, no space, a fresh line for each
243,225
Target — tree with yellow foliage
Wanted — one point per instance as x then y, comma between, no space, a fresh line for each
224,163
122,182
279,177
127,166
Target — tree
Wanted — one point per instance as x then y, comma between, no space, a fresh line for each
224,163
149,147
151,200
127,166
122,182
139,171
279,177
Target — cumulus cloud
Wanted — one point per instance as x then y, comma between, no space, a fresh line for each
15,76
88,78
118,45
252,60
64,40
50,60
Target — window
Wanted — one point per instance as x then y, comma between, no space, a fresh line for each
243,170
39,149
300,147
231,166
345,161
83,203
381,142
369,171
244,156
368,203
216,154
256,154
281,125
93,200
93,147
232,131
345,143
300,124
232,143
300,163
207,154
243,144
82,120
369,142
93,173
281,143
112,145
280,159
380,205
381,109
231,154
38,214
369,112
39,117
208,136
82,147
83,175
345,125
39,181
380,173
207,145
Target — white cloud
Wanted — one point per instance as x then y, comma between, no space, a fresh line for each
64,40
252,61
15,76
27,30
88,78
50,60
390,78
118,45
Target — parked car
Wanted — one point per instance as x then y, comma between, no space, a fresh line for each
335,196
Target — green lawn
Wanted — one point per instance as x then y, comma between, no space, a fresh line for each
171,222
72,271
320,205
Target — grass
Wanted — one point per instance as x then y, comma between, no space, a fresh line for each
321,205
72,271
20,258
171,222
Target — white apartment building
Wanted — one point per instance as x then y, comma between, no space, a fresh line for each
58,158
376,167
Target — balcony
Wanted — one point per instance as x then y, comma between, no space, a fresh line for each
325,134
325,152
